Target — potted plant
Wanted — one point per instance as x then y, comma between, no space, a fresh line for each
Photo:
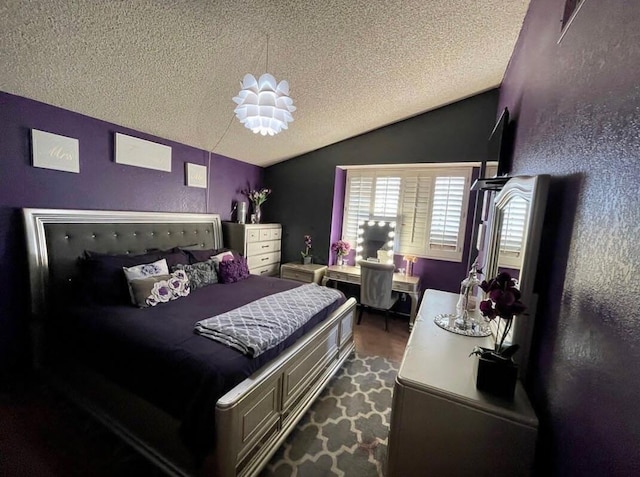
497,372
306,255
341,249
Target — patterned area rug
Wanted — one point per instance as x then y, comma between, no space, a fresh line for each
344,433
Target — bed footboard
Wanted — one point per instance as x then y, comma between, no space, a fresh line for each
255,417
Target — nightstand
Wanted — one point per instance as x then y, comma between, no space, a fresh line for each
311,273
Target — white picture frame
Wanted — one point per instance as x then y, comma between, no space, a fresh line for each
133,151
52,151
196,175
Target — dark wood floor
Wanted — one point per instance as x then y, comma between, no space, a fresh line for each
43,434
371,339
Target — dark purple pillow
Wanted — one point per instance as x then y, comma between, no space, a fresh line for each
232,271
103,279
202,254
175,257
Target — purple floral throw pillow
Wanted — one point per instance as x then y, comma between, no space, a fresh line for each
160,288
232,271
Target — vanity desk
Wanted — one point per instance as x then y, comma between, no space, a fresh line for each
401,283
440,423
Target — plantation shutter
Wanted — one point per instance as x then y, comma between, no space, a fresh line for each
429,203
414,221
512,232
357,205
447,214
387,195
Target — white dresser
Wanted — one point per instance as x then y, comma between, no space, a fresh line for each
441,424
259,243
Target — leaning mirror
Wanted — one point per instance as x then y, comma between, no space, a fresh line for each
511,234
376,240
516,227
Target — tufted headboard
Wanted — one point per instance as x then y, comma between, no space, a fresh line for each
57,238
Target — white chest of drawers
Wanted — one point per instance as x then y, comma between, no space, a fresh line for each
441,425
259,243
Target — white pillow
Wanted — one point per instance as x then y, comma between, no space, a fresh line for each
145,270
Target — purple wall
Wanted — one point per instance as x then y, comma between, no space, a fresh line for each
101,184
339,189
576,106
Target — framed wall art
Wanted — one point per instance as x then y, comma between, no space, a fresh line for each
196,175
52,151
133,151
571,9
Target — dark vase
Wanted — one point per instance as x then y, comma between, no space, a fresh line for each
497,377
306,260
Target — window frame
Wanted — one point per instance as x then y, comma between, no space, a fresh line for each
425,173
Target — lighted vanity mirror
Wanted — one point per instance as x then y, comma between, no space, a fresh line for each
376,240
516,228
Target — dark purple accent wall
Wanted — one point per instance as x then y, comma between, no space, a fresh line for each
576,105
304,187
101,184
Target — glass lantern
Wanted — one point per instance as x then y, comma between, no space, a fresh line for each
463,321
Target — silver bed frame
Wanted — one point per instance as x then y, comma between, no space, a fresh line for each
252,419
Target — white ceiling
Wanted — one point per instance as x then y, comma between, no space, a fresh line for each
170,68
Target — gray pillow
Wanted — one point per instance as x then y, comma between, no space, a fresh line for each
160,289
200,274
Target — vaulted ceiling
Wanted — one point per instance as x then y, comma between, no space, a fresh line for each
170,68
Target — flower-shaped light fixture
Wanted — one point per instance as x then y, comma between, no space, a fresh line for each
264,106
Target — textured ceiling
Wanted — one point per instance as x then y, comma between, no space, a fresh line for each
170,68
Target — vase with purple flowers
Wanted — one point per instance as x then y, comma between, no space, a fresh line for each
497,372
341,249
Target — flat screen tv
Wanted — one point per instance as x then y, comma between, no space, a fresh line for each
498,149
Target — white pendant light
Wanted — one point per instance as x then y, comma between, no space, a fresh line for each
264,106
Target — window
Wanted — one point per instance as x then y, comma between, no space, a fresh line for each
512,233
429,204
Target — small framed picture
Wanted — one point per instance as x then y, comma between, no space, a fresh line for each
571,9
196,175
52,151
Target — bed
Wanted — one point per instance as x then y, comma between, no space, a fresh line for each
158,387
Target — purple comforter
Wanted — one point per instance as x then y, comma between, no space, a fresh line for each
155,353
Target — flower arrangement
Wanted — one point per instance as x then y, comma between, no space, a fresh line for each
341,248
257,197
307,246
503,303
410,259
